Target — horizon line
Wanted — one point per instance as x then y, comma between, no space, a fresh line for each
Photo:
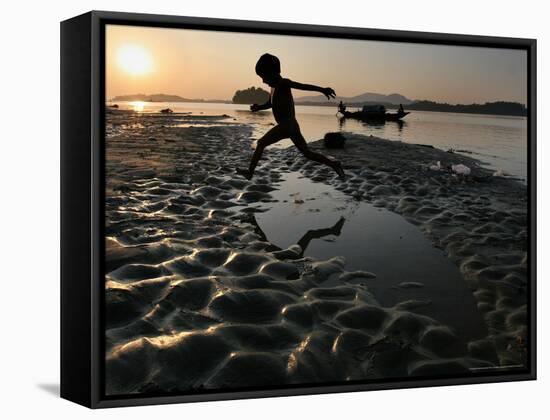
320,95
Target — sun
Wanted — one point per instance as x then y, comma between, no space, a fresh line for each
134,60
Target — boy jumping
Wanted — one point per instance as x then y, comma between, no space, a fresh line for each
281,101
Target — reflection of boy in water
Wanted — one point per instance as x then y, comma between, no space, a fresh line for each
281,101
304,241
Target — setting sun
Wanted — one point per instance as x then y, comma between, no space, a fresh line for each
134,60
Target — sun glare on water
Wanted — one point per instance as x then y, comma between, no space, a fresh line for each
137,106
134,60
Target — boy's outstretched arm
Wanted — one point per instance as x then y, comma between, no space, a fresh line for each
328,92
256,107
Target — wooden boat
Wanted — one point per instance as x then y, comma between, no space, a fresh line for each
370,116
374,113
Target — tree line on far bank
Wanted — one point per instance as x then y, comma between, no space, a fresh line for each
495,108
252,95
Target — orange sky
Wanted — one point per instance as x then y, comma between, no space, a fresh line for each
213,65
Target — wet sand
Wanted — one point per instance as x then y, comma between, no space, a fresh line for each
196,298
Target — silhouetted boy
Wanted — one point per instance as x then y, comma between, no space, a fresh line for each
268,68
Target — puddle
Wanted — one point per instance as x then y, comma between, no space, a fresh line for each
326,223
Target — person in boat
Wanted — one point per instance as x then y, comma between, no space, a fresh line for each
281,101
400,111
341,108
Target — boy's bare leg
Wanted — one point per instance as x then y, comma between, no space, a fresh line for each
274,135
301,144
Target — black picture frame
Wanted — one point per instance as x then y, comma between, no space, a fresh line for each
82,201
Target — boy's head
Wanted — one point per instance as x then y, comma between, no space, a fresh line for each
268,68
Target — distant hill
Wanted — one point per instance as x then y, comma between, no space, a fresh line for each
367,97
495,108
251,95
160,97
